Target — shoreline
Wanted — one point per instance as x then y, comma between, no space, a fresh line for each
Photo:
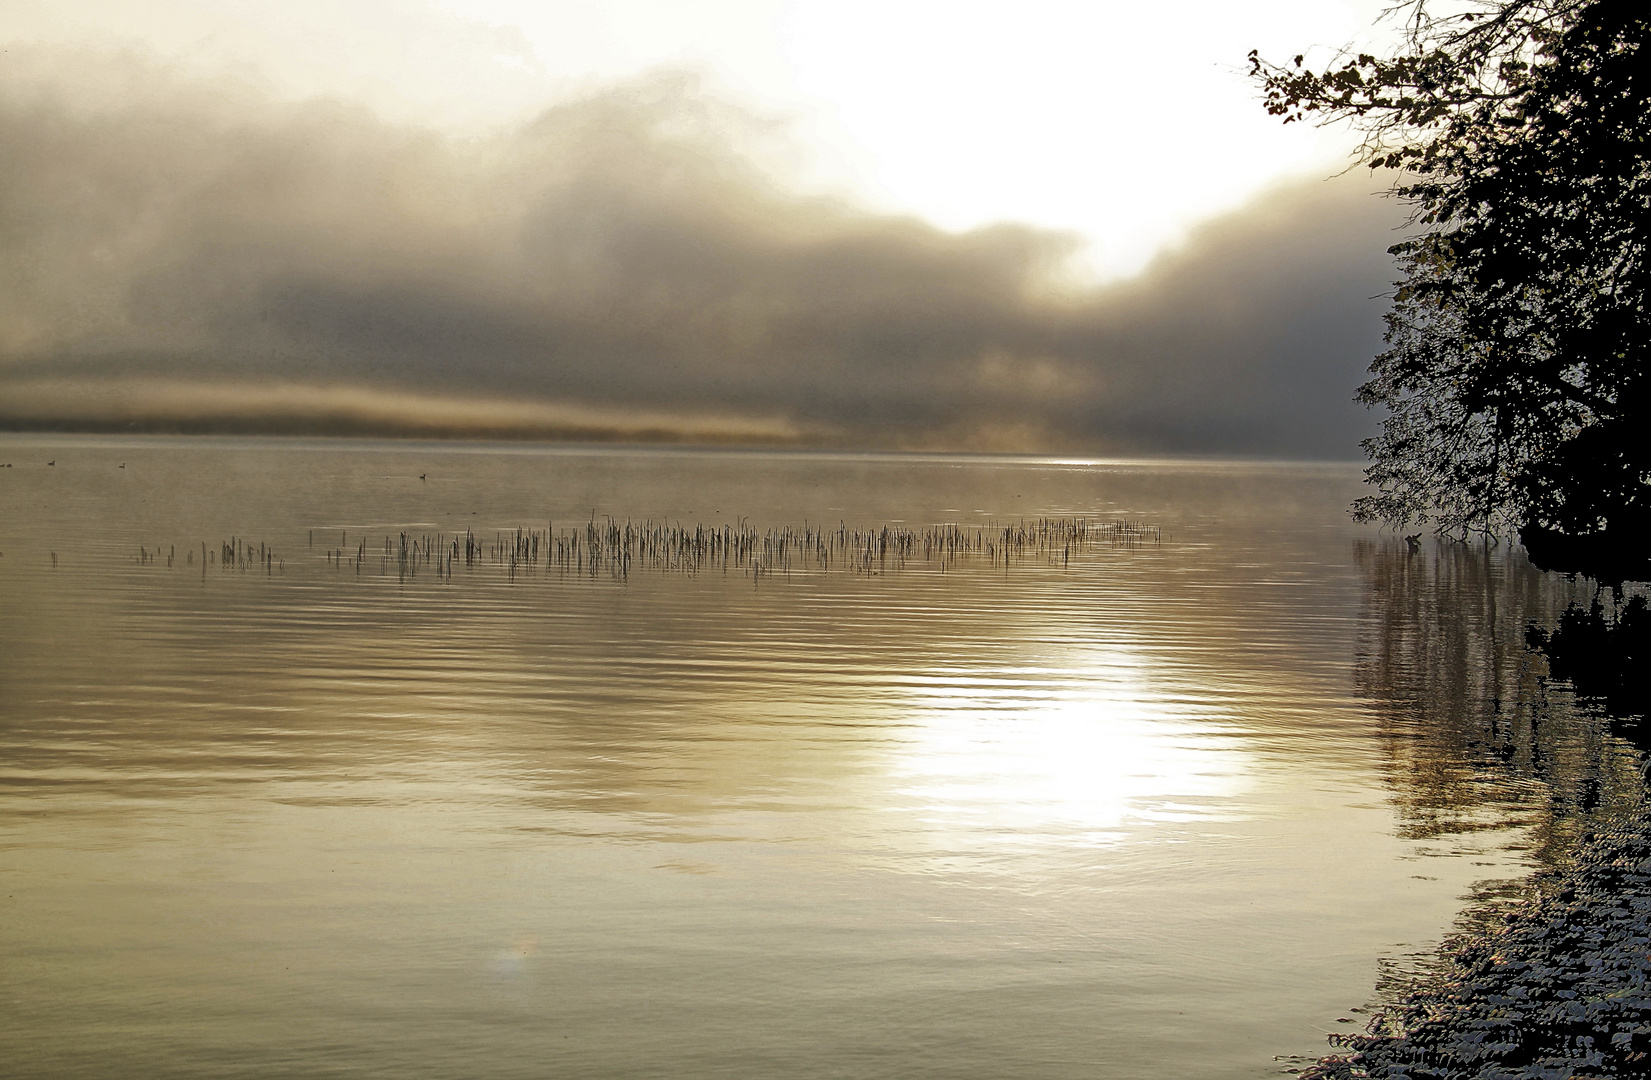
1560,990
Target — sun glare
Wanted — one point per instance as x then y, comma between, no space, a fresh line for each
1124,123
1076,755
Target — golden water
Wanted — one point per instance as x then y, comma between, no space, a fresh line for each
1154,809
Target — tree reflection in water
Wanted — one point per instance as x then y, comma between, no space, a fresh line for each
1478,738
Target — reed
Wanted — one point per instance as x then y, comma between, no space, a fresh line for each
616,549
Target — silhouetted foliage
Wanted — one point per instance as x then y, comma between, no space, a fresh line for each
1602,658
1514,374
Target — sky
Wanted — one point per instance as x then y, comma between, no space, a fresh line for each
1047,226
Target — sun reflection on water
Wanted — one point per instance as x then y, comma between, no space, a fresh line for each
1084,754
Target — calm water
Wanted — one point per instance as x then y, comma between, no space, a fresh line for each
1164,809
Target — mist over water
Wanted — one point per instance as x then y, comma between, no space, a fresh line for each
191,256
1166,807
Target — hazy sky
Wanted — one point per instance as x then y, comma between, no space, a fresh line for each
1040,225
1128,122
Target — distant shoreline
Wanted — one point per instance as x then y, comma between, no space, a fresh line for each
308,427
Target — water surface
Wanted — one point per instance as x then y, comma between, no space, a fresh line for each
1166,808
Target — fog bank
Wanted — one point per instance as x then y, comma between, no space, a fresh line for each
190,256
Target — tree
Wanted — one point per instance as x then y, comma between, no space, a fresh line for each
1516,361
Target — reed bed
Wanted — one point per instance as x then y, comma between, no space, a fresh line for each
613,549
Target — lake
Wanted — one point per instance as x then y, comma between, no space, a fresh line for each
1175,796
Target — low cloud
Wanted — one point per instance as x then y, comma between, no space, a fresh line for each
183,256
212,406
